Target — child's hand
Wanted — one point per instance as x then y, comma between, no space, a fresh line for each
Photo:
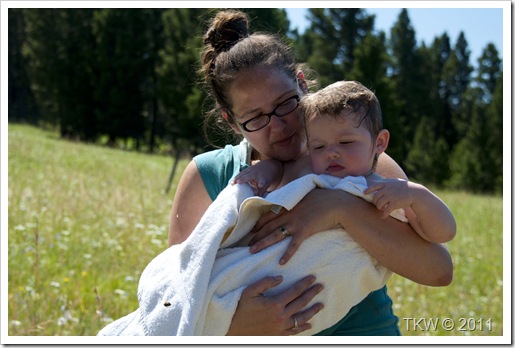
261,176
390,194
255,179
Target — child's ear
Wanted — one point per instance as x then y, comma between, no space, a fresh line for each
382,141
231,122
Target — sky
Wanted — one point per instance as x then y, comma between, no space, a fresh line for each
479,25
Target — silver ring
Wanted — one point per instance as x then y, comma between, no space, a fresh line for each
285,232
295,324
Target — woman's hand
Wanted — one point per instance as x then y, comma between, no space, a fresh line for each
258,315
393,243
316,212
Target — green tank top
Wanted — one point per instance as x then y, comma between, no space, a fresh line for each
371,317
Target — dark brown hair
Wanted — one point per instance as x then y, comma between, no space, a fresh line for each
229,48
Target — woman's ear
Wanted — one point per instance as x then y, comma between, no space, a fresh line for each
230,121
225,115
382,141
301,81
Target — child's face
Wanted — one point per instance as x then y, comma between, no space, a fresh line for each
337,147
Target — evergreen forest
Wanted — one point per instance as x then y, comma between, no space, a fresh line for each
128,78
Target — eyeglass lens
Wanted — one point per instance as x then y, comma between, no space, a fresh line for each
261,121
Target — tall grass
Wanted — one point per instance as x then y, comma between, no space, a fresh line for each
474,300
84,221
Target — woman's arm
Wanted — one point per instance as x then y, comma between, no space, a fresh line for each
256,314
388,168
394,244
190,203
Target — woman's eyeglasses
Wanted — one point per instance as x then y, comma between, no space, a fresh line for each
258,122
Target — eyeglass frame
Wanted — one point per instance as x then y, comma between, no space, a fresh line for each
269,115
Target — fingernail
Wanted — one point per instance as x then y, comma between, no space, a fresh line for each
282,261
253,249
278,278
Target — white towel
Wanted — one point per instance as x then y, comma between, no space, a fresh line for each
193,288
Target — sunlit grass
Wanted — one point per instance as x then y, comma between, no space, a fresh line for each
475,295
84,221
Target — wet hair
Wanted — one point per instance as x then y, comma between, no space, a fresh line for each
229,49
345,99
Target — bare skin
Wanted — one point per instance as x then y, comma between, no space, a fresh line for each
395,245
278,309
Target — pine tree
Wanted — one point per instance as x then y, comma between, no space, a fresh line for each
495,136
344,29
369,67
467,160
42,56
121,66
179,93
22,105
489,71
410,84
58,50
456,76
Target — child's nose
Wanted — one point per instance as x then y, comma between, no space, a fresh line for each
333,152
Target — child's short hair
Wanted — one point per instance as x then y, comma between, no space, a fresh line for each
344,98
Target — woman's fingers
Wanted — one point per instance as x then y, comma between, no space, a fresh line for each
264,239
293,246
258,314
295,300
258,288
265,219
295,308
316,212
303,318
300,294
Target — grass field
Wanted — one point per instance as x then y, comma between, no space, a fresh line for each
84,221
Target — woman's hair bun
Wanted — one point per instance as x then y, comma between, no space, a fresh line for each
227,28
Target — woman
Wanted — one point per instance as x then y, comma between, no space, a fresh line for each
256,85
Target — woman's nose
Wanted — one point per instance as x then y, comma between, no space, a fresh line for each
277,122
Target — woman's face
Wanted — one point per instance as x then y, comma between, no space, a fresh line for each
259,91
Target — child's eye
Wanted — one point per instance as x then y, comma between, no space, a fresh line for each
346,142
318,147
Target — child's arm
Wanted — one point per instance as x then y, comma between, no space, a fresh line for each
426,213
261,176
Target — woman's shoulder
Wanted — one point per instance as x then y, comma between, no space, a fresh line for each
217,167
219,158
